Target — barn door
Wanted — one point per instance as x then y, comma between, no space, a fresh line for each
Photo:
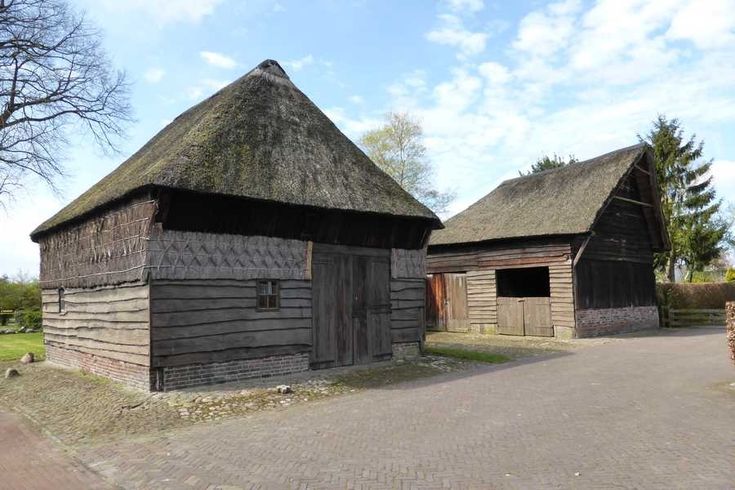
456,311
537,317
377,309
435,302
351,306
510,316
331,310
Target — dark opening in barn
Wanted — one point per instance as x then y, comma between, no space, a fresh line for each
523,283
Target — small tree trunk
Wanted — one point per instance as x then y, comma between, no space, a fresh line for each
670,268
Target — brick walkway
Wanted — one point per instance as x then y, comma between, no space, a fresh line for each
30,461
645,412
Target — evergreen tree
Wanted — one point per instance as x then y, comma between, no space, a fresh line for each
547,163
688,200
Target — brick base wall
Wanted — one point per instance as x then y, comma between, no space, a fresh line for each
611,321
125,372
406,349
173,378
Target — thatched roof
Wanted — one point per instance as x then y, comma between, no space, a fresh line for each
562,201
260,137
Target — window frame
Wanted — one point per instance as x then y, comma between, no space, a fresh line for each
274,295
61,300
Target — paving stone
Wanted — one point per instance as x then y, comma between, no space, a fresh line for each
647,411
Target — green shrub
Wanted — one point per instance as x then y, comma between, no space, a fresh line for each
730,275
30,318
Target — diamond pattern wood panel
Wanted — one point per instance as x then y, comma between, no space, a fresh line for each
192,255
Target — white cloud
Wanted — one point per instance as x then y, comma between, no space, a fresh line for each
218,59
164,11
356,99
299,64
453,33
577,80
154,75
544,32
465,5
708,24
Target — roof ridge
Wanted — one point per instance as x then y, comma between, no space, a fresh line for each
583,162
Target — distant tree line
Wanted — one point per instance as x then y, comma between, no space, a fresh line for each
20,300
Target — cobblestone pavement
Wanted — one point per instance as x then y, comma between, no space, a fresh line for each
650,411
30,461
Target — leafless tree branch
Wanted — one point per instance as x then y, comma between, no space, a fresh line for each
54,76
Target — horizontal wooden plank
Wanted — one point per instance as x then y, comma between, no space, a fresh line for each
141,360
140,316
193,331
228,355
268,338
201,317
405,335
97,344
131,336
190,305
97,322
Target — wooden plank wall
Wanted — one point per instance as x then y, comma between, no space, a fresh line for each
480,263
201,321
110,322
407,298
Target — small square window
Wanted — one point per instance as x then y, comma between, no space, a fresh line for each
62,303
268,295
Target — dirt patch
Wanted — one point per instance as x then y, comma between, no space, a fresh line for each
80,409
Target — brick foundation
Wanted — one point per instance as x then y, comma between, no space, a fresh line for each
611,321
125,372
174,378
406,349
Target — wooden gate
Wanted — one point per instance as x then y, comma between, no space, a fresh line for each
446,300
537,317
457,318
510,316
351,305
525,316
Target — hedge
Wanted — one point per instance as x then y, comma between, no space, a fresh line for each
708,295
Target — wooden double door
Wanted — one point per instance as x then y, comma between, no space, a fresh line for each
350,305
525,316
446,300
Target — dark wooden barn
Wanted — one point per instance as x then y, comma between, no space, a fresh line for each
248,238
565,252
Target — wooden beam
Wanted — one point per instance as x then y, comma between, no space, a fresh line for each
633,201
638,167
581,249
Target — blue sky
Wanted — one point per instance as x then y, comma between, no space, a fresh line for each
495,84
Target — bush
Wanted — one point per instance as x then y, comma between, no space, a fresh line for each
29,319
680,296
730,275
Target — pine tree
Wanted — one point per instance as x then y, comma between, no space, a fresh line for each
547,163
688,200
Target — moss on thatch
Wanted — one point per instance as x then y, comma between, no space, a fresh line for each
561,201
260,137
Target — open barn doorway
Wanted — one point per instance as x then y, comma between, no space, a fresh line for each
524,301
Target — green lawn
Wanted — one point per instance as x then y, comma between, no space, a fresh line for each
13,346
470,355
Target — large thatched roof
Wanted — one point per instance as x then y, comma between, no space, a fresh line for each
260,137
563,201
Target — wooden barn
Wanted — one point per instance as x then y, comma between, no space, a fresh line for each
562,253
248,238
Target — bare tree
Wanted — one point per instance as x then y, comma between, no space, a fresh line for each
397,148
54,75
